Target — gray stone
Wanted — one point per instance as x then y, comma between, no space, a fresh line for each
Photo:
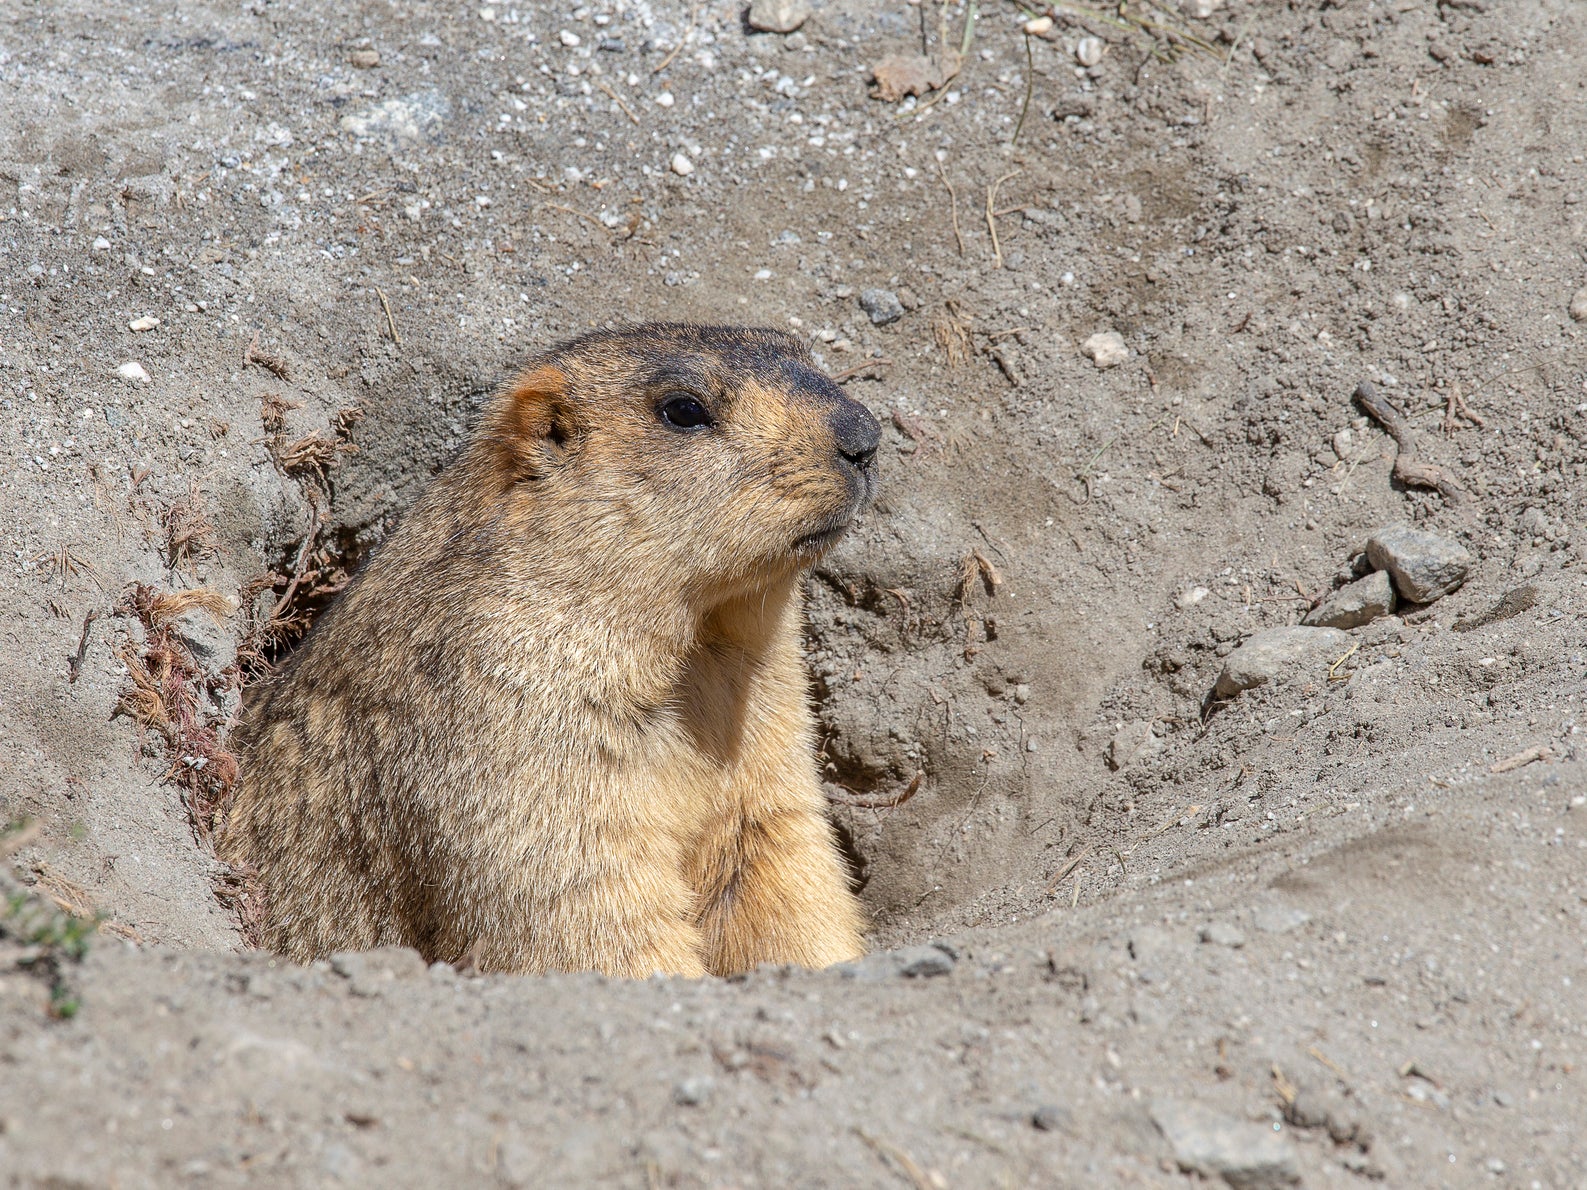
1279,655
403,121
882,305
1050,1117
691,1092
1355,603
1278,919
1222,933
371,972
911,962
921,962
211,644
1133,742
778,16
1424,565
1578,306
1246,1156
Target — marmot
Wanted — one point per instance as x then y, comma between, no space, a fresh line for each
559,721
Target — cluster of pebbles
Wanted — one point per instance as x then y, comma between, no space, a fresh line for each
1399,565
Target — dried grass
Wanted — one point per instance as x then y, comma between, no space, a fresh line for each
189,533
166,692
951,333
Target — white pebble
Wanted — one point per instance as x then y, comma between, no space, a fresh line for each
100,243
681,165
1038,26
147,323
665,99
132,370
1089,51
1106,349
1191,597
568,38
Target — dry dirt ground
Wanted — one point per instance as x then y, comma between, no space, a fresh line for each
1127,932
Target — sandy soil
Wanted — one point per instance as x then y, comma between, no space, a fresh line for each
1329,929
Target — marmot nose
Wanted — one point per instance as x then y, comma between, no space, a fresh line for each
857,434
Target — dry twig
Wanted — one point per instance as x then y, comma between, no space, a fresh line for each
1407,468
273,364
890,801
391,323
618,100
991,217
953,205
849,373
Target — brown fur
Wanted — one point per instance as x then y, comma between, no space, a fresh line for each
559,722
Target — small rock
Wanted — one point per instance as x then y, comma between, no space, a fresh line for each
115,418
692,1092
1319,1105
1038,26
1278,655
1202,9
101,244
364,59
1278,919
912,962
1222,933
1190,597
1354,604
1424,565
1106,349
1089,50
1578,306
132,370
409,119
147,323
882,305
210,641
568,38
681,165
1344,443
1133,742
778,16
922,962
1246,1156
1049,1117
370,972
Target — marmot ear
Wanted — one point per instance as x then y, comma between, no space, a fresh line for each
534,423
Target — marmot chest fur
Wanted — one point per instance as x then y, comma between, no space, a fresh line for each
560,720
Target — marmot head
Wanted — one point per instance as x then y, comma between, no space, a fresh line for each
721,453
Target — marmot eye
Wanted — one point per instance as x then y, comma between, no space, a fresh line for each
684,412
